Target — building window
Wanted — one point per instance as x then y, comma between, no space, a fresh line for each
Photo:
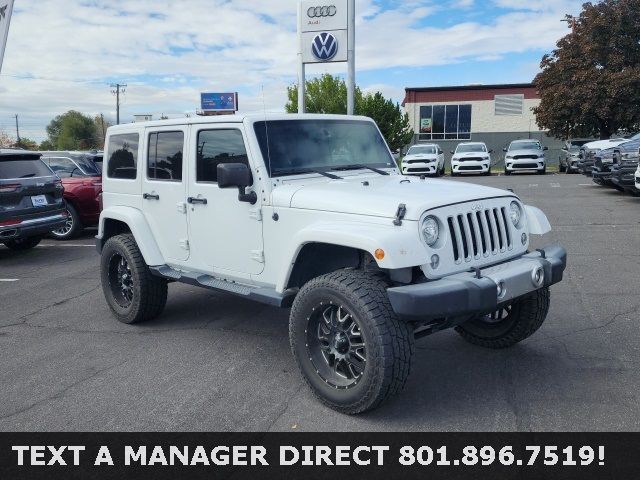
445,122
509,104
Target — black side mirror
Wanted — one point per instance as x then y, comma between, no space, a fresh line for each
504,150
237,175
545,148
452,152
490,151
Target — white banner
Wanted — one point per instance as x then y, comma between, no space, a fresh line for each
6,8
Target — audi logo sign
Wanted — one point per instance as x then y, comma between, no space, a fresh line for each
325,11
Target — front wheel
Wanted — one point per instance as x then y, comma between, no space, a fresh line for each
132,292
352,350
510,324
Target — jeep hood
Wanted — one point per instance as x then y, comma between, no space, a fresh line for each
381,197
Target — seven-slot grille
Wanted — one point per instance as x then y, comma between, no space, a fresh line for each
480,233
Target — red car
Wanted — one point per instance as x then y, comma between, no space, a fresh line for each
82,180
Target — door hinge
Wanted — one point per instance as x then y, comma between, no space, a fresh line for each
256,214
184,244
257,255
182,207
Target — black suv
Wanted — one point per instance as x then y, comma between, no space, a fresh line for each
31,203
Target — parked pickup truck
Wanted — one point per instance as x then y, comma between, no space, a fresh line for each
623,171
310,212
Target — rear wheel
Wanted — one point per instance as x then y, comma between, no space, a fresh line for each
510,324
352,350
71,228
132,292
23,243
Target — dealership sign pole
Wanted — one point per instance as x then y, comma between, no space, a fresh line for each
6,8
326,34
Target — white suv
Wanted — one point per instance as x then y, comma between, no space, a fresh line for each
311,212
525,156
424,159
471,157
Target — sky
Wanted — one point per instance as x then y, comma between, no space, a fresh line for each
64,54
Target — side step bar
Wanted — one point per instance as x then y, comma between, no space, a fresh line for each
267,296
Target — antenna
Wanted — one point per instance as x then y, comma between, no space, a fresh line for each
266,130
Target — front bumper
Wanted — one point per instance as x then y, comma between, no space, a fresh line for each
420,168
467,294
470,167
526,164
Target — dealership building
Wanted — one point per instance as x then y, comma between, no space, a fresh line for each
494,114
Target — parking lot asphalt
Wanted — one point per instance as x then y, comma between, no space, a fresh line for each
214,362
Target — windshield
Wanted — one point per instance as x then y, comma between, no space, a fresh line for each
297,146
524,146
88,166
423,150
475,147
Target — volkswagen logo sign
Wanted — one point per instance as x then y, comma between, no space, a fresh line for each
326,11
324,46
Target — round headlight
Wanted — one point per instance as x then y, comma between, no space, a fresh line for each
515,213
430,230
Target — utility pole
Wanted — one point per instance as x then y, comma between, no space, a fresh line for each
17,129
102,122
117,89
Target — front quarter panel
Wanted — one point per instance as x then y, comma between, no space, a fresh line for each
537,221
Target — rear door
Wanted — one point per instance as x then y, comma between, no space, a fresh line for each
164,190
28,188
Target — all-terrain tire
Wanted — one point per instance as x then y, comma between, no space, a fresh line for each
22,244
389,342
149,293
526,316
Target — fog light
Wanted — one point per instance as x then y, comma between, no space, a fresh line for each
524,239
502,290
435,261
537,276
379,254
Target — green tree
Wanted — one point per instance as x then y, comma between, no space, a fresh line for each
46,145
590,84
72,131
328,94
27,144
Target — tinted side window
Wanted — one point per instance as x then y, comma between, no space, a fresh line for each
216,147
165,156
64,167
122,153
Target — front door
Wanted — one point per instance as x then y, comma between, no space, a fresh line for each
225,234
164,190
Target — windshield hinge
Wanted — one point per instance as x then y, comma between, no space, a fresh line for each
256,214
402,211
257,255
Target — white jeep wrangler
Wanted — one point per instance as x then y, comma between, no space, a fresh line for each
311,212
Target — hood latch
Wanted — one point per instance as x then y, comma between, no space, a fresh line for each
402,211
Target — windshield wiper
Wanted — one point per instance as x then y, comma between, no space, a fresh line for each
294,171
357,167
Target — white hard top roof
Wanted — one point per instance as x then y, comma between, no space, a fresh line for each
238,118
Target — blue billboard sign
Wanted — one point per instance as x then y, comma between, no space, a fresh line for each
219,102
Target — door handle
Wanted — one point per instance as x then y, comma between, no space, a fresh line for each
150,196
193,200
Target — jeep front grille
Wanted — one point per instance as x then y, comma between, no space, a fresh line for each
477,234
